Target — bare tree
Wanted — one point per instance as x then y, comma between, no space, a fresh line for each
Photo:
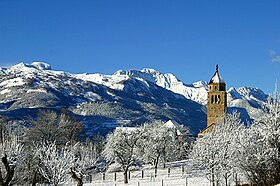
50,126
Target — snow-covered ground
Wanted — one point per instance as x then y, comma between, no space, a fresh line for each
175,178
157,182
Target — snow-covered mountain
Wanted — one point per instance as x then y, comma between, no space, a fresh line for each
248,101
103,102
196,91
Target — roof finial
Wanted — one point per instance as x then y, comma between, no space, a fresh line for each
217,68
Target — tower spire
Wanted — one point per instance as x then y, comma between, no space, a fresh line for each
216,77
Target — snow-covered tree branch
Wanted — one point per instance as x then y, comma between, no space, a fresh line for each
215,152
160,144
11,154
55,162
122,147
259,155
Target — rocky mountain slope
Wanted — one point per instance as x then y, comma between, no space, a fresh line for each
103,102
246,100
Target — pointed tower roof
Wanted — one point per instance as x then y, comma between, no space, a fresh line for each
216,77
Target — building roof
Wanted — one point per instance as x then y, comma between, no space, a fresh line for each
217,77
206,130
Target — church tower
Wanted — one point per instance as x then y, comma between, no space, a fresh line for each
217,98
217,102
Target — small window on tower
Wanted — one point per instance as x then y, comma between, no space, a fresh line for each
215,87
219,98
212,99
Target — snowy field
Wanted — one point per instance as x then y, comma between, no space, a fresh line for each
175,178
157,182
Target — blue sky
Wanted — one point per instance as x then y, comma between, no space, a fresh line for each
184,37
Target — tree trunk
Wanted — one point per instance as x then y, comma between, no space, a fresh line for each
125,176
9,172
155,170
1,178
236,181
34,179
1,135
213,177
156,165
226,179
79,180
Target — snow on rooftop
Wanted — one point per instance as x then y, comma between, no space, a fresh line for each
171,124
217,78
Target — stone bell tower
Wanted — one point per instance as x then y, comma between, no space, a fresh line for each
217,98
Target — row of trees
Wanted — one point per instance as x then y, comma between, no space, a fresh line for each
234,147
50,151
150,144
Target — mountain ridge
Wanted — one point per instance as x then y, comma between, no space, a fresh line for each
127,98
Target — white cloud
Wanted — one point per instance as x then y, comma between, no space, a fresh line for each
276,59
274,56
